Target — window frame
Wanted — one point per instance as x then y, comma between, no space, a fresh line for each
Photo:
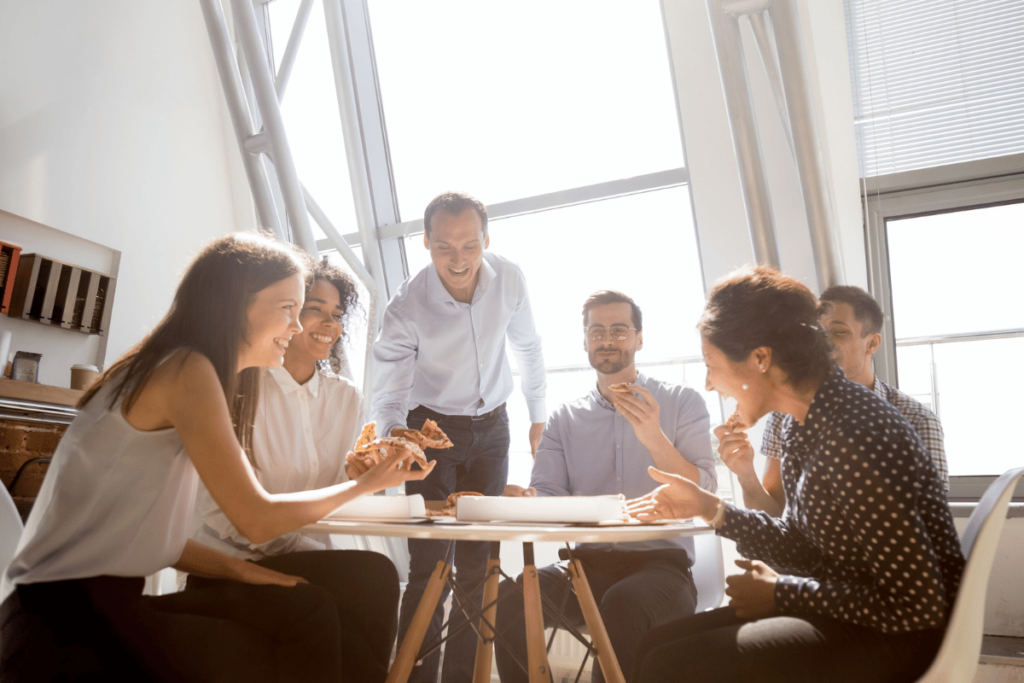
943,189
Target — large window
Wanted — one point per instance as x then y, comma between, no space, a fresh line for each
548,112
515,98
939,106
959,326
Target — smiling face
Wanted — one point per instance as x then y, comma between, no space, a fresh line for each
321,324
273,319
607,355
851,348
741,381
456,245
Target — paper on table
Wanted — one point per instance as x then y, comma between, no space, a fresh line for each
381,507
585,509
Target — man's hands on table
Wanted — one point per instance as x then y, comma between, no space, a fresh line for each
516,491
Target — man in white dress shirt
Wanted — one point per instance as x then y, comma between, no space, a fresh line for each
440,355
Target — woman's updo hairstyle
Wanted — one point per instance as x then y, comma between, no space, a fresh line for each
758,306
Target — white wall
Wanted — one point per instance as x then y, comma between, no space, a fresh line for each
721,223
113,128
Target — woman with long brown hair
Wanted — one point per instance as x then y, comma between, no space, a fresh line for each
854,582
307,420
118,498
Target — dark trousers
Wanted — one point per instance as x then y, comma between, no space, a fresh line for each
634,591
104,629
478,461
716,646
363,587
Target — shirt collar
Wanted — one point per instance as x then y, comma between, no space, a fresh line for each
816,410
437,293
879,388
289,385
600,400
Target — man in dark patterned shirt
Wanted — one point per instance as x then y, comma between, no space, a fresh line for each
853,321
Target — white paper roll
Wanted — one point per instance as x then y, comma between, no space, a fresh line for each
5,349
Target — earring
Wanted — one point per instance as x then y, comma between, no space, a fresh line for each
745,387
762,368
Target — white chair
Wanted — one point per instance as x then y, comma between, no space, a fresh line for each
11,527
708,571
957,660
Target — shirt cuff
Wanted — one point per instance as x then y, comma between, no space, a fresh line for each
537,409
787,592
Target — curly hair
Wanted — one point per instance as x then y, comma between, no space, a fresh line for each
348,292
758,306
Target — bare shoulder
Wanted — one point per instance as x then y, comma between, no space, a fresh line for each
183,380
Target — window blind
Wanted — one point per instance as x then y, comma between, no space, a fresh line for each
935,81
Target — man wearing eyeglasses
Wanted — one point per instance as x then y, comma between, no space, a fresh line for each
603,443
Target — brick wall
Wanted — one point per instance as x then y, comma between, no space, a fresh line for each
20,442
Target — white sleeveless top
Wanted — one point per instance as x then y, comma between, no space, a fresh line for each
116,501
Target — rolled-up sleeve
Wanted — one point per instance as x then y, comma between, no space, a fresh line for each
692,437
394,355
550,471
526,344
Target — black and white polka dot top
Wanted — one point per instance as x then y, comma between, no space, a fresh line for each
867,535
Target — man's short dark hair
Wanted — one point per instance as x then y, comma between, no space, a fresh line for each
454,203
865,309
607,296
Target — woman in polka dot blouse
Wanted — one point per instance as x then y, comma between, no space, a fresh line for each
855,581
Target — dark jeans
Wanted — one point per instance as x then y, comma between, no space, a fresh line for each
104,629
634,591
716,646
364,588
477,461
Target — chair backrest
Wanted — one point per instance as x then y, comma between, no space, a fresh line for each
957,659
11,527
708,571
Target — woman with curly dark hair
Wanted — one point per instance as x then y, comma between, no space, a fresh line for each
307,420
855,581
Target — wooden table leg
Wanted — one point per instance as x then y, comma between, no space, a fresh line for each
410,646
536,648
485,646
598,634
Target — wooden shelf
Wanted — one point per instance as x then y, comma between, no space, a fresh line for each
42,393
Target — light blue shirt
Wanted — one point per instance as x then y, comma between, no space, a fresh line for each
590,449
450,356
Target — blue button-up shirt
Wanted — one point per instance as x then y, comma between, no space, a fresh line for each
450,356
590,449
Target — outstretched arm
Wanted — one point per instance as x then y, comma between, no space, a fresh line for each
193,402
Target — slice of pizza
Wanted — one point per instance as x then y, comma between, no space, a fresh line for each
736,423
427,436
433,437
450,505
621,387
371,450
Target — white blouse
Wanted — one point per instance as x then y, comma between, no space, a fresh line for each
116,501
301,435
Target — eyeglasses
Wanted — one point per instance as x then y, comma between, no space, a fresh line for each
616,332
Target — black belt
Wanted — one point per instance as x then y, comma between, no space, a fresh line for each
434,415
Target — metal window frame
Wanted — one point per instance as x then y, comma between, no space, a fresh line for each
369,159
944,189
